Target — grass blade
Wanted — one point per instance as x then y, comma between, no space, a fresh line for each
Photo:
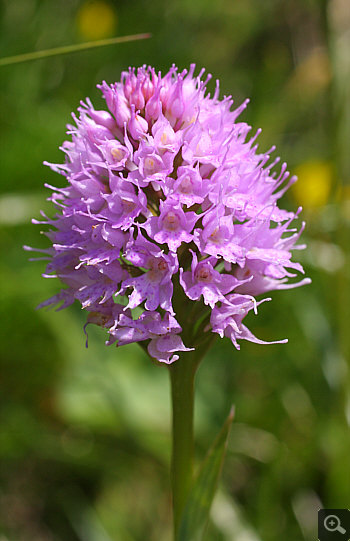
67,49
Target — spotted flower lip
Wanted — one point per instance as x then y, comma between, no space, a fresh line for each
204,280
168,226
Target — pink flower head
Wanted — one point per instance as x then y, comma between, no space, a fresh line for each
170,206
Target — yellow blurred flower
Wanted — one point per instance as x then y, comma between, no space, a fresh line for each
96,20
314,183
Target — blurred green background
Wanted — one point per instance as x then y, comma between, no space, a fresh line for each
84,439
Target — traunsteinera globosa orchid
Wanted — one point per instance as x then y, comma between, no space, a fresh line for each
166,233
169,225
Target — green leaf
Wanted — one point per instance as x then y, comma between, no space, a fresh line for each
196,513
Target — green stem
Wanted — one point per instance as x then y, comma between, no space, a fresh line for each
182,374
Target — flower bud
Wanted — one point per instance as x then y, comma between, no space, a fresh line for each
137,125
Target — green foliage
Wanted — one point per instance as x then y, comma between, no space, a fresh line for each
196,512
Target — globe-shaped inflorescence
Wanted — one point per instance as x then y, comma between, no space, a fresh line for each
169,226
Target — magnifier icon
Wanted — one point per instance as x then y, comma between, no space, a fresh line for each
332,524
